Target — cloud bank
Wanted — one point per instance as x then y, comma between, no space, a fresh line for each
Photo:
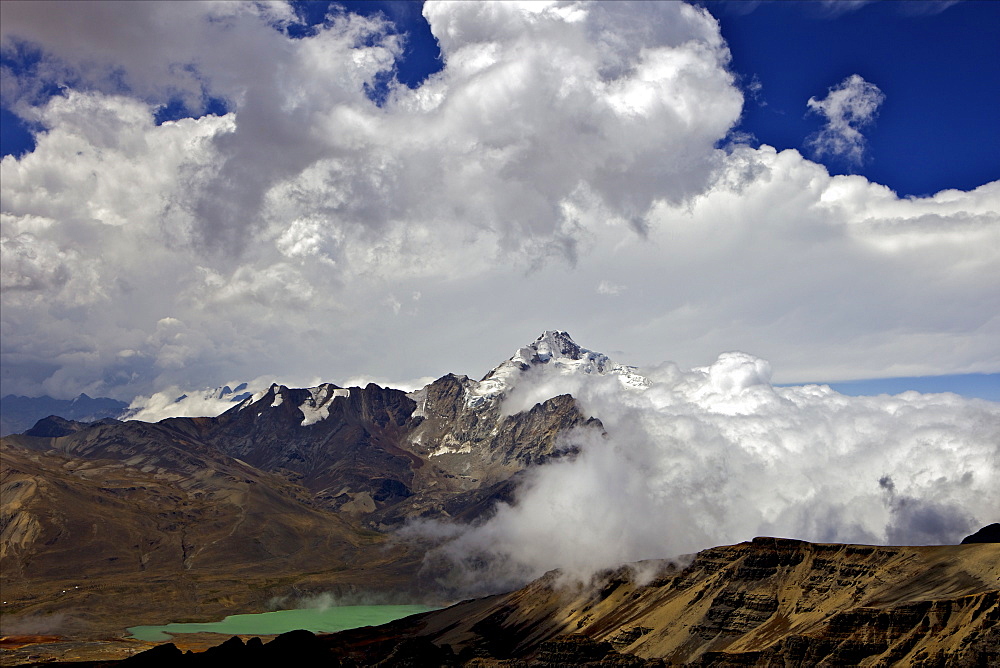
562,169
717,455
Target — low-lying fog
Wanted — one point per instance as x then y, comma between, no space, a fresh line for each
718,455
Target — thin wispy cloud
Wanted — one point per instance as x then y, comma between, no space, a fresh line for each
848,107
926,7
609,288
833,8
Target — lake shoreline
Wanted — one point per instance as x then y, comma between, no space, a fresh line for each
330,619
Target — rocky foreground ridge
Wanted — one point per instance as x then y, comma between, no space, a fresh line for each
771,601
768,602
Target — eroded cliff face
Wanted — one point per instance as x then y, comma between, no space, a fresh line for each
473,451
759,603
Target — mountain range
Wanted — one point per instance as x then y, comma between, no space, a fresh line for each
293,492
289,492
18,414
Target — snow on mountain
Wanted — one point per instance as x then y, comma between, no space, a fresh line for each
175,402
315,406
552,356
419,396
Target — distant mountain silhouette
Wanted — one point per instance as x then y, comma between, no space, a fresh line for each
18,414
988,534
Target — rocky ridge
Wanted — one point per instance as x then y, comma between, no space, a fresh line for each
767,602
770,601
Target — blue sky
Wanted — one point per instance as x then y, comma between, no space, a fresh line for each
936,128
348,159
983,386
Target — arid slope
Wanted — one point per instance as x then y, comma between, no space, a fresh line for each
758,603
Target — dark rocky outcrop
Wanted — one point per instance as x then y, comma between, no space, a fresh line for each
988,534
295,648
575,649
161,656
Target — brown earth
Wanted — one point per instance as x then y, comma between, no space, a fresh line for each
767,602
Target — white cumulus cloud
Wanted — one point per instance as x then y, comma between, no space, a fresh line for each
717,455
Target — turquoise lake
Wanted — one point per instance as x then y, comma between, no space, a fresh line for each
317,620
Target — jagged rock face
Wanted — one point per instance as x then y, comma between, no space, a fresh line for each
768,602
473,439
472,458
341,444
376,454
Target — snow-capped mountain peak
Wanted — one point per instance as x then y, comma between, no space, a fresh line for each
556,352
554,346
